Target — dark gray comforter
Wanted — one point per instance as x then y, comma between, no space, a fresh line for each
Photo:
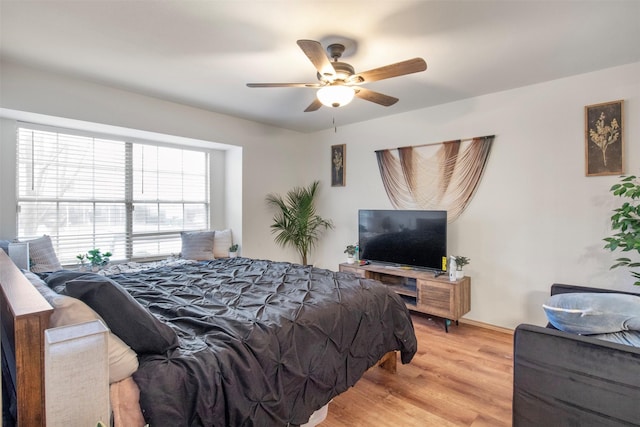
261,343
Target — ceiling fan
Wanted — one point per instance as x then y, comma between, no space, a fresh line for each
337,81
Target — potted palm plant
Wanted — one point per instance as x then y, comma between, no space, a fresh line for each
296,222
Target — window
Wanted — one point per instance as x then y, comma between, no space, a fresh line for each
128,197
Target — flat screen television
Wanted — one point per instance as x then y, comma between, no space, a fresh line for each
414,238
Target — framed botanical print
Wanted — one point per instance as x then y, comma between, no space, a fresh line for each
604,139
338,165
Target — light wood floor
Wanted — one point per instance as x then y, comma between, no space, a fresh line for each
463,378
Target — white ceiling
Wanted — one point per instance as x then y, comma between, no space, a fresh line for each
202,53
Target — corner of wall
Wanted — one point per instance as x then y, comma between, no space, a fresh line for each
7,174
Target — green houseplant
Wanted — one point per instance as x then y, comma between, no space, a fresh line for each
351,252
461,261
296,222
625,222
233,250
97,258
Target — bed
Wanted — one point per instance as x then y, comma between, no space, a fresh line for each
257,342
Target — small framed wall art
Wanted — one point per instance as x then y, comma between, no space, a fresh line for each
604,139
338,165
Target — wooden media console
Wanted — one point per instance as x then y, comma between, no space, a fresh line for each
422,291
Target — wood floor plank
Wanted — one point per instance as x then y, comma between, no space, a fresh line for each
463,378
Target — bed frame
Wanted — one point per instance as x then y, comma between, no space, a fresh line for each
25,316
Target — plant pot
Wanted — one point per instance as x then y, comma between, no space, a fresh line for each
233,254
351,260
459,274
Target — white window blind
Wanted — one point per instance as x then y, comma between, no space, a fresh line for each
128,197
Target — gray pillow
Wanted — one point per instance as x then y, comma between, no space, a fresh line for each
198,245
41,286
4,245
126,318
43,256
593,313
58,279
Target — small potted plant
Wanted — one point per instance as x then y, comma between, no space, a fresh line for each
97,258
351,252
461,261
233,250
81,258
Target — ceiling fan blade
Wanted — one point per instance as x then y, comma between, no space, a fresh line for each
410,66
312,85
316,104
376,97
316,54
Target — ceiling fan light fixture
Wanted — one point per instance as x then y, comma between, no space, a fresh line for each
335,96
337,81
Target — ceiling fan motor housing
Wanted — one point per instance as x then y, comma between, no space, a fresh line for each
343,72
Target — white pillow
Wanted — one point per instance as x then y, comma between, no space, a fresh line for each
43,256
221,243
197,245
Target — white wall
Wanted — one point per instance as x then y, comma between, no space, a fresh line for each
254,164
535,219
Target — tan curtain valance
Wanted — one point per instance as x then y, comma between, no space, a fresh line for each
442,176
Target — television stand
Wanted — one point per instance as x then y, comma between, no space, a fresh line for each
422,291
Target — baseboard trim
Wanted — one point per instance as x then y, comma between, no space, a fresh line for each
487,326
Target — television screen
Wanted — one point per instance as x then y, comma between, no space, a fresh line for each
403,237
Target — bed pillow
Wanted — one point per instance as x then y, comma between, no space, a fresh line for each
129,320
221,243
57,279
123,361
41,286
197,245
631,338
42,255
593,313
4,245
